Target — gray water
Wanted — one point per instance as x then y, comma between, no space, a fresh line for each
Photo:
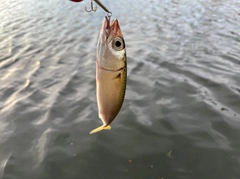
181,114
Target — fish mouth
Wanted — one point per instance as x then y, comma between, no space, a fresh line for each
109,29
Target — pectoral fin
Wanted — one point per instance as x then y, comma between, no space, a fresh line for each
100,129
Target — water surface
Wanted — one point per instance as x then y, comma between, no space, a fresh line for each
181,115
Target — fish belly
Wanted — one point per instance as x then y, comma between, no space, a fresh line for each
110,93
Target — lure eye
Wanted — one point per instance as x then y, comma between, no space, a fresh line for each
118,43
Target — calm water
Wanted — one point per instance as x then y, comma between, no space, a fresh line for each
181,115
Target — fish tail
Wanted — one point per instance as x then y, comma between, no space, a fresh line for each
100,129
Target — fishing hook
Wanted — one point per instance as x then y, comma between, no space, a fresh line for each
92,8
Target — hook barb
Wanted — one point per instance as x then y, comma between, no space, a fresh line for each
93,9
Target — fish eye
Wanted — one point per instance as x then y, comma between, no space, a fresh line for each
118,43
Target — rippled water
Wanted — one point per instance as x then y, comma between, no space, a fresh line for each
181,115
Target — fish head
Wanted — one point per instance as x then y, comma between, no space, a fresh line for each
111,52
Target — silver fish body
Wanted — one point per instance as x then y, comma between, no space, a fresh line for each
111,72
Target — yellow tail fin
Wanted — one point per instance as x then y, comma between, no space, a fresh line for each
100,128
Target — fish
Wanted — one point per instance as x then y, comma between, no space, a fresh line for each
111,72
